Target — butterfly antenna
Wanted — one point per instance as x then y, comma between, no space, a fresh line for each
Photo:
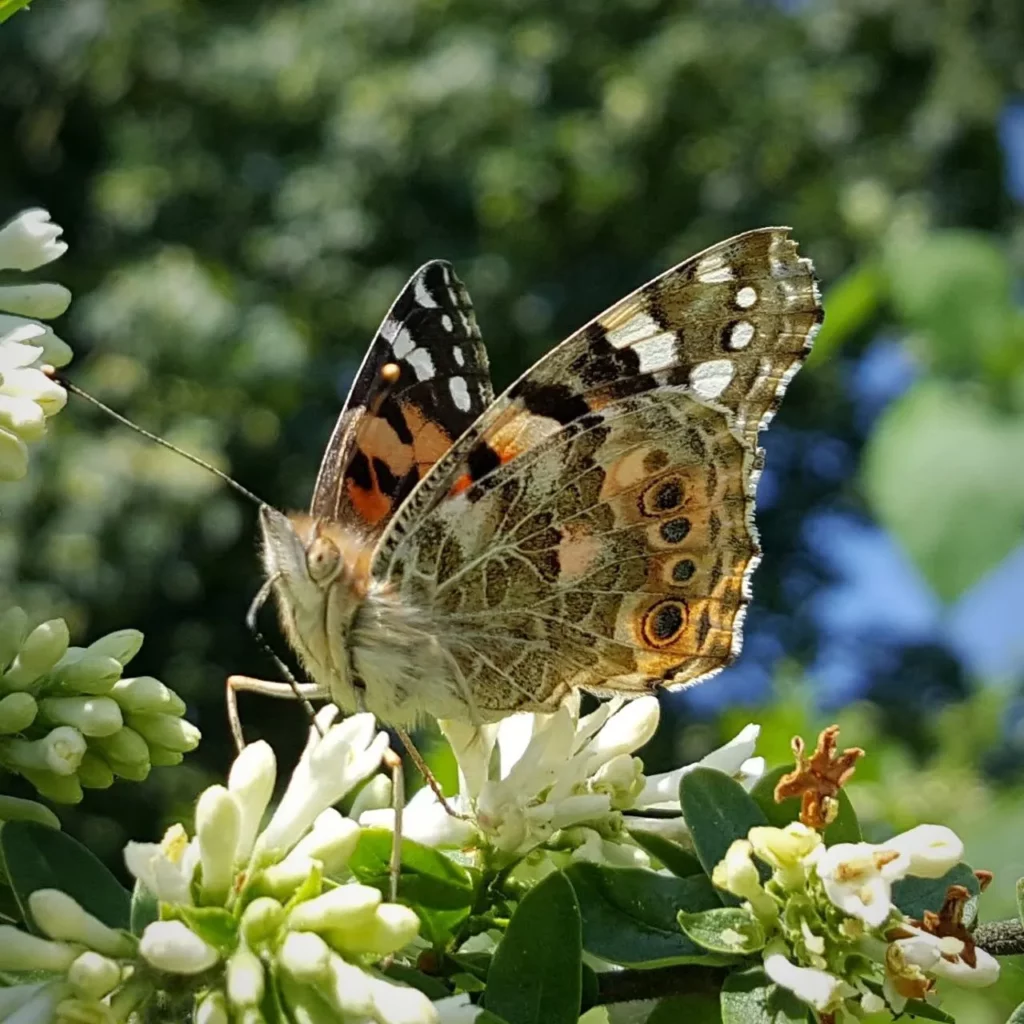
250,620
114,414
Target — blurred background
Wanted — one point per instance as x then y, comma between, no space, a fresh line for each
246,186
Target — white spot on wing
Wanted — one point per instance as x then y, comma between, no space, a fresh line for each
446,322
657,353
710,379
714,270
635,329
460,393
458,356
389,329
741,335
746,297
419,359
402,344
422,293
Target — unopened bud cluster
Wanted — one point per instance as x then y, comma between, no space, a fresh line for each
28,396
68,719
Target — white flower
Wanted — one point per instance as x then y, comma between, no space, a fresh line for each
932,850
791,851
44,299
457,1010
819,989
29,240
165,868
735,758
737,873
329,767
171,946
61,917
251,783
20,951
858,879
218,820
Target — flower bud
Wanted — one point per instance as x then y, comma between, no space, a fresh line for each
17,712
84,1011
306,1004
20,951
251,783
41,1006
13,461
29,240
122,645
213,1009
332,841
933,849
89,673
43,299
22,417
91,716
785,849
93,975
62,917
305,956
13,808
347,906
217,822
374,796
13,630
626,730
61,789
161,757
171,946
283,878
133,771
400,1004
391,927
261,919
166,731
125,746
246,982
350,990
737,873
60,752
94,772
144,694
41,650
35,386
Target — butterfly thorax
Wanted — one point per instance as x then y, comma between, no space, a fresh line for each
357,639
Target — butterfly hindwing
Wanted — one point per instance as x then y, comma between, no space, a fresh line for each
595,527
390,434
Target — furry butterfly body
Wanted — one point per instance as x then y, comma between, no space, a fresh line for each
591,528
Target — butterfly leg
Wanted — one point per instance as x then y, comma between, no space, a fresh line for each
304,692
394,763
428,775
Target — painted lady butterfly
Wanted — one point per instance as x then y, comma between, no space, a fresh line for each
467,557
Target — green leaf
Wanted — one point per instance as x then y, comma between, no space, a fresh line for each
629,914
1020,899
213,925
748,997
432,988
1017,1017
691,1009
916,895
718,810
39,857
935,471
677,859
724,930
535,975
145,909
845,828
9,7
920,1010
850,305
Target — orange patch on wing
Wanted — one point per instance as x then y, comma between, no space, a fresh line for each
377,440
371,505
464,482
429,440
624,473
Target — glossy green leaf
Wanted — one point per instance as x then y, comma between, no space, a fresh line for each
935,472
749,997
9,7
145,909
39,857
718,810
688,1009
724,930
535,976
918,1009
916,895
677,859
432,988
629,914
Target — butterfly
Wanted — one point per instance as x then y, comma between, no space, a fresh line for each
466,557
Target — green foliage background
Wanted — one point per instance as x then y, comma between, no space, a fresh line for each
246,186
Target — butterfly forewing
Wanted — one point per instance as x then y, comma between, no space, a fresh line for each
594,528
391,432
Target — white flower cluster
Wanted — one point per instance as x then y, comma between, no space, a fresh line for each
68,719
561,780
834,937
241,908
28,397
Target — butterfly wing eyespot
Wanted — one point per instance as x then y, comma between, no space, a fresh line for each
664,623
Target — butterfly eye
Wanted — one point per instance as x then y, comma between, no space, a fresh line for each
322,559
